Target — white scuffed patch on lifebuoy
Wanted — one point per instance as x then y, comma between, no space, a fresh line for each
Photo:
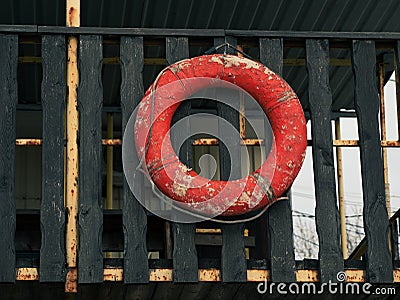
237,62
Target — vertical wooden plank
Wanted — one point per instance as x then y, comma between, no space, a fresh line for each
136,267
376,225
233,256
283,266
397,78
394,230
8,102
184,254
326,211
90,101
52,217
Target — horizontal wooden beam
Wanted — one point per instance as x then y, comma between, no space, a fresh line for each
254,142
198,32
154,61
159,32
18,28
214,142
209,32
209,275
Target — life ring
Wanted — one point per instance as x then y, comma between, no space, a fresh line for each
258,190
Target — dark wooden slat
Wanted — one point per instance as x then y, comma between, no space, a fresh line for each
136,267
8,102
283,267
207,32
271,54
233,257
160,32
366,101
90,97
19,28
184,252
394,227
315,34
52,217
326,211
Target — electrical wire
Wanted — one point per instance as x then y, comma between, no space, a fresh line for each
306,240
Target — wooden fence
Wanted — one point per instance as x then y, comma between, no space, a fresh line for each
132,222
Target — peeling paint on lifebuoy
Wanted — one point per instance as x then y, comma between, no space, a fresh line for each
259,189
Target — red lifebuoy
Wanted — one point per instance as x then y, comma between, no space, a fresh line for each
257,190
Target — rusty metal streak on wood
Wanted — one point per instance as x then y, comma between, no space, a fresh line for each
214,142
256,142
345,143
110,158
72,20
205,142
38,142
210,275
28,142
381,72
242,119
73,10
355,143
161,274
205,275
27,274
113,274
342,209
71,283
390,144
111,142
110,130
208,230
72,157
